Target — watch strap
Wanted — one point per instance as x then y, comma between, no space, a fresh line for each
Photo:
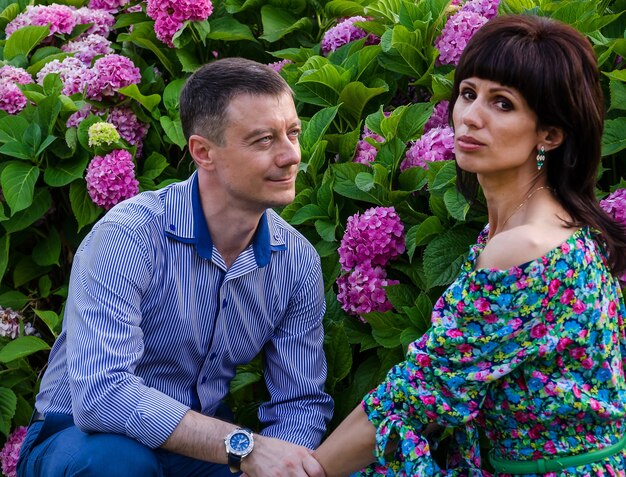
234,463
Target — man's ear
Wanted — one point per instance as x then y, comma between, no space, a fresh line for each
552,137
200,150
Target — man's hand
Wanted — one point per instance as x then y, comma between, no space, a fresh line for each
276,458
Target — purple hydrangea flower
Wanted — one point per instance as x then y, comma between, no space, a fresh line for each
75,75
12,100
365,153
15,74
111,178
486,8
11,451
434,145
87,48
109,5
10,324
459,28
60,18
361,291
345,32
439,117
279,65
76,118
170,15
375,237
615,205
102,20
129,127
112,72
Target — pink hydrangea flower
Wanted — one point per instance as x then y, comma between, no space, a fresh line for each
615,205
15,74
279,65
434,145
112,72
10,324
102,20
12,100
365,153
375,237
129,126
109,5
439,117
361,291
11,451
486,8
345,32
170,15
75,75
60,18
85,49
111,178
459,28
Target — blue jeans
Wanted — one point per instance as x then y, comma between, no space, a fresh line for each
55,447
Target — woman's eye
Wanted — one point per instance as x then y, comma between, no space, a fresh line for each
504,104
468,94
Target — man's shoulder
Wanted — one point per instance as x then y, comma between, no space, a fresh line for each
283,231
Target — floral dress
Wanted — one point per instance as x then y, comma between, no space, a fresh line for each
533,355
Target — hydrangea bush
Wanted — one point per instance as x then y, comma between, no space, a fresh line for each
89,117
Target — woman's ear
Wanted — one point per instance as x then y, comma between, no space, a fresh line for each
552,137
200,150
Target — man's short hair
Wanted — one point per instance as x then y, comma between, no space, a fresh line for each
207,93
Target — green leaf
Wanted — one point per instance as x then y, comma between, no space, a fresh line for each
85,211
344,8
457,205
412,179
614,137
306,213
5,242
338,353
18,184
143,35
412,120
428,229
64,172
154,165
42,202
386,327
618,94
317,126
364,181
345,183
17,149
171,95
174,131
12,128
23,40
51,319
13,299
444,177
8,404
355,96
400,295
22,347
326,229
227,28
48,250
445,254
278,22
26,270
83,130
148,102
128,19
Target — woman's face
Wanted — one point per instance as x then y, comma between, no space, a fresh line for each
495,129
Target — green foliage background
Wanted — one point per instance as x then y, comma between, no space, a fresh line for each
45,210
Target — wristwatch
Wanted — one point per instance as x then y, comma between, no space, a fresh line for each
239,444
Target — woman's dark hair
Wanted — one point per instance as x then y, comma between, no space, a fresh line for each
208,91
554,67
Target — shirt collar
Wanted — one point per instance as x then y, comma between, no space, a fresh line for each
186,195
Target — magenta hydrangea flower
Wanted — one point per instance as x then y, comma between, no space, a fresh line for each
85,49
434,145
11,451
15,74
486,8
75,75
439,117
112,72
365,153
109,5
345,32
374,237
101,21
129,126
279,65
111,178
170,15
60,18
459,28
361,291
12,100
615,205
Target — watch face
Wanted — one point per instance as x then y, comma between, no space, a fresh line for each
239,442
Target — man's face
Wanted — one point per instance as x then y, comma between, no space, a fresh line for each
257,164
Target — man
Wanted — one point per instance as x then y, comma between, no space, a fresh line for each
173,289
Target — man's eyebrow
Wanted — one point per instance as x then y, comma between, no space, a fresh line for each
261,131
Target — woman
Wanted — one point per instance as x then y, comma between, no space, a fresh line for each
529,342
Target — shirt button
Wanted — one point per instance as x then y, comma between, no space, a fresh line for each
203,380
224,303
213,356
172,227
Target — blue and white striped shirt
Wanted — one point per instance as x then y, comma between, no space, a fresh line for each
155,323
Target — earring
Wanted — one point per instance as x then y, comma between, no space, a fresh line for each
541,157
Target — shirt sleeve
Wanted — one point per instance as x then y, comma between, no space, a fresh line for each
111,272
484,327
295,366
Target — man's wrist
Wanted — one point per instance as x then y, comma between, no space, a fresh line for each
239,444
